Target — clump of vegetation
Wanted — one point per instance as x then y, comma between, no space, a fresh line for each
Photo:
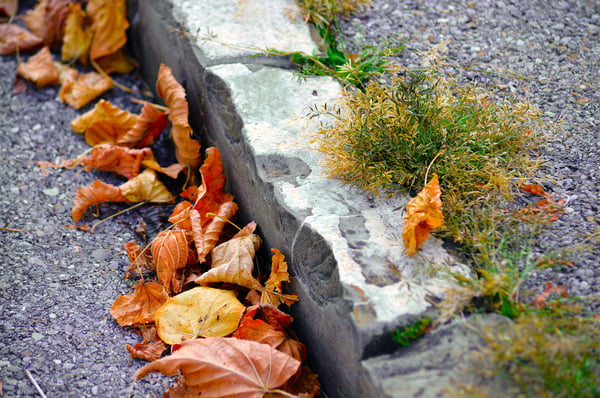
324,11
411,332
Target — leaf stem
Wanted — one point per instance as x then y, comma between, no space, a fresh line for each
284,393
99,70
156,106
117,214
223,218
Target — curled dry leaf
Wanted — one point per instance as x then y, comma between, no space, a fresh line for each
201,311
279,273
146,187
534,189
423,214
140,306
105,124
187,149
150,123
13,36
9,7
181,215
206,238
35,19
139,259
78,36
226,367
84,88
57,12
116,63
148,350
40,69
96,192
170,254
109,25
233,262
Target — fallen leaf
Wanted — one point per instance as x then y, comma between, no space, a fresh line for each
113,158
57,12
201,311
187,149
181,215
170,254
105,124
35,19
148,350
150,123
423,214
116,62
206,238
146,187
140,306
9,7
139,259
96,192
279,273
534,189
233,261
109,25
78,36
304,383
84,89
539,300
40,69
13,36
226,367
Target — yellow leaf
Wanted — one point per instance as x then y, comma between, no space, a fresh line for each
423,214
109,24
146,187
82,89
201,311
77,38
40,69
105,124
279,273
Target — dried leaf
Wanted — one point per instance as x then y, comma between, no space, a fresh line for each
84,89
57,12
40,69
113,158
149,351
423,214
109,25
116,62
534,189
213,174
201,311
9,7
187,149
13,36
304,383
146,187
181,215
150,123
170,254
205,238
140,306
139,259
105,124
226,367
97,192
78,36
539,300
35,19
233,261
279,273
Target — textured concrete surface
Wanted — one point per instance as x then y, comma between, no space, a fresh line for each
344,247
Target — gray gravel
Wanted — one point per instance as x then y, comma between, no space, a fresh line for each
555,45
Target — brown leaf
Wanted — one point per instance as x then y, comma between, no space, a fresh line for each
181,215
279,273
206,238
9,7
40,69
113,158
226,367
78,36
233,261
146,187
35,19
304,383
109,25
105,124
97,192
57,12
84,89
116,62
13,36
150,123
201,311
170,254
139,306
149,351
187,149
423,214
139,259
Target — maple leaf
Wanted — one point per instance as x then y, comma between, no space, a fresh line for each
226,367
150,123
82,89
187,149
77,38
140,306
147,350
13,36
105,124
40,69
539,300
35,19
423,214
279,273
170,254
201,311
233,261
9,7
57,12
96,192
109,25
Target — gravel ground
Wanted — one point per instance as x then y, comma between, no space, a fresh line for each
555,46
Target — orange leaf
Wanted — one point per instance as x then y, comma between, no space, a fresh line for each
423,214
539,300
170,254
40,69
139,259
77,38
9,7
84,89
150,123
187,149
213,174
139,306
149,351
233,261
13,36
226,367
113,158
206,238
279,273
97,192
116,62
109,24
105,124
181,215
35,19
534,189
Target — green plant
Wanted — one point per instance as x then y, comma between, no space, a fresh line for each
405,335
324,11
